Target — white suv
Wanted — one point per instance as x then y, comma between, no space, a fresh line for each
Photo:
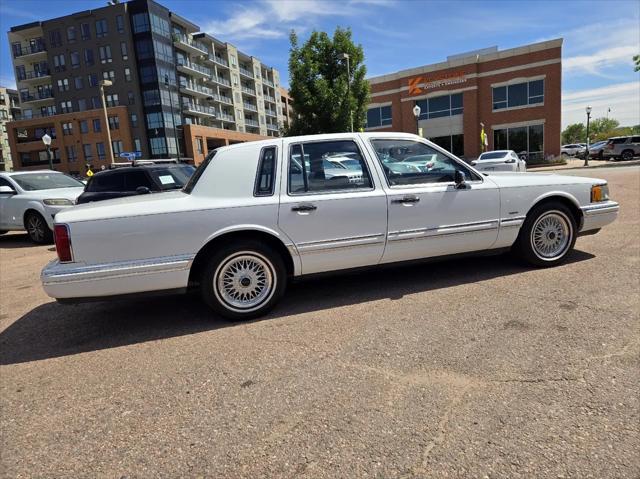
622,147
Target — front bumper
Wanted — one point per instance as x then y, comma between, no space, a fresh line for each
74,280
597,215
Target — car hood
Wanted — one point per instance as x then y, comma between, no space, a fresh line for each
152,203
66,193
509,179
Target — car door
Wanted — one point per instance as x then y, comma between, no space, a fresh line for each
11,207
428,214
335,220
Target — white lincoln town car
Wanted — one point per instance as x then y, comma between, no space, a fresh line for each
256,214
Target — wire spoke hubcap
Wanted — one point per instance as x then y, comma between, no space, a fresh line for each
551,235
244,281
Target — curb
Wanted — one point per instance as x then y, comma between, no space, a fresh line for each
611,164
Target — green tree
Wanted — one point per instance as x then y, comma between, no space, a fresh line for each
321,91
601,128
574,133
636,60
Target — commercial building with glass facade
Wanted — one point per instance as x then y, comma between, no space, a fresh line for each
166,73
513,94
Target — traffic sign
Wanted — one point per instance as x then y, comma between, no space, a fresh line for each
131,154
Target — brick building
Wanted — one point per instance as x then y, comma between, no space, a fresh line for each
515,93
9,110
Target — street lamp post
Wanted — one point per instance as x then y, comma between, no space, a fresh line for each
104,83
416,113
46,139
345,56
586,154
173,118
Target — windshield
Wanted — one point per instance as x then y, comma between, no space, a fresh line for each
172,177
45,181
492,155
188,188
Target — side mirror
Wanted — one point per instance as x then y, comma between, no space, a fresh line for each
7,190
143,190
459,177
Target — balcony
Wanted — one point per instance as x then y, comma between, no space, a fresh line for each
190,45
269,98
250,107
25,50
252,123
226,117
220,80
248,91
245,72
268,82
36,96
196,90
199,110
34,76
222,99
270,113
193,69
218,60
272,127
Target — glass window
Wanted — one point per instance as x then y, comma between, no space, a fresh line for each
86,150
410,162
456,104
517,95
160,26
536,143
109,181
100,150
500,140
124,51
105,54
88,56
172,177
316,167
499,97
518,139
379,116
131,98
55,38
67,128
137,144
117,147
140,23
536,91
72,156
96,125
85,31
114,123
75,59
78,83
440,106
71,34
101,28
265,180
134,120
127,74
119,24
92,79
521,94
84,126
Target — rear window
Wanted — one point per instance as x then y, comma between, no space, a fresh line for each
492,155
265,179
173,177
109,181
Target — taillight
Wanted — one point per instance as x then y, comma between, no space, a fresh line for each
63,243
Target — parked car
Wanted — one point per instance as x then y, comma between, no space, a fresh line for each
30,199
136,180
239,229
596,150
573,149
500,160
622,147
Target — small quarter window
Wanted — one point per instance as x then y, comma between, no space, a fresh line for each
265,180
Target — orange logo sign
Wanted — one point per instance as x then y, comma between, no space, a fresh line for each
419,84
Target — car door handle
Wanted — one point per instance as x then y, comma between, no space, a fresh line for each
406,199
304,207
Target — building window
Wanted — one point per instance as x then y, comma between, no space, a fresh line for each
518,95
82,104
155,120
131,98
379,116
136,144
127,74
100,151
112,99
95,102
199,145
85,31
86,150
72,156
109,75
75,59
92,79
160,26
114,123
144,49
105,54
88,56
134,120
117,147
84,126
66,106
55,39
101,28
63,84
140,23
119,24
58,63
96,125
78,83
522,139
124,51
67,128
71,34
446,105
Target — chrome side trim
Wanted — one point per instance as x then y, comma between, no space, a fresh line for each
55,274
348,242
602,208
424,233
511,222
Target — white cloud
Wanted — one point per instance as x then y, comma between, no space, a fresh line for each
601,59
622,98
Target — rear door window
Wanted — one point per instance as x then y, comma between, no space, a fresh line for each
111,181
265,179
137,178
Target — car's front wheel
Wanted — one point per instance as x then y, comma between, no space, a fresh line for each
547,235
627,155
244,280
37,228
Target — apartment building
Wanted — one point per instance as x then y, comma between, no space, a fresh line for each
287,107
514,94
172,80
9,109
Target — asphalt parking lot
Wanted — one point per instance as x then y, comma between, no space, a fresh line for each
477,367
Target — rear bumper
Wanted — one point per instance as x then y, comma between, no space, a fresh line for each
72,280
598,215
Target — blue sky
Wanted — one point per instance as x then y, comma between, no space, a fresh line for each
600,36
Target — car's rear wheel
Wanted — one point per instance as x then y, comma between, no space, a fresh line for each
627,155
37,228
244,280
547,235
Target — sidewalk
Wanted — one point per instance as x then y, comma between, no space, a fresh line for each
575,163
